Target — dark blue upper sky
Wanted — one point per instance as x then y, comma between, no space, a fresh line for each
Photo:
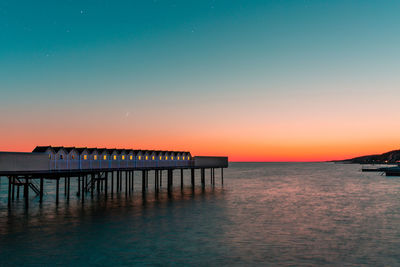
244,59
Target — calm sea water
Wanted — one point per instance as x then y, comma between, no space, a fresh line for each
266,214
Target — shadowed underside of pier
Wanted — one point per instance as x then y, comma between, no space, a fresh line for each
100,181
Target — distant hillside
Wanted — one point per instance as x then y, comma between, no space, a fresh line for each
388,157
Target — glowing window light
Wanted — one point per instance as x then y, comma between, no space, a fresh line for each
115,157
49,156
105,157
140,157
166,158
130,157
160,158
188,157
172,158
183,157
178,158
123,157
147,157
95,157
152,157
85,157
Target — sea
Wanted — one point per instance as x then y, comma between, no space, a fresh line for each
265,214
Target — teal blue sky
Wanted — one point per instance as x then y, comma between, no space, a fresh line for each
267,61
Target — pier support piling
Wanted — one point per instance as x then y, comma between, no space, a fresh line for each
9,191
181,178
41,190
69,187
105,183
126,183
112,183
26,192
143,181
203,180
13,188
57,189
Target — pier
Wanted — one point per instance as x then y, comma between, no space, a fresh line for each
101,171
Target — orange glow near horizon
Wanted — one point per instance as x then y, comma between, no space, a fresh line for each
254,135
237,151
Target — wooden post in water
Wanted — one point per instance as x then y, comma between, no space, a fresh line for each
9,190
117,181
13,187
41,190
26,192
160,178
92,184
133,180
126,183
192,176
129,182
181,178
68,186
120,181
57,188
170,179
106,183
155,180
222,176
83,188
112,183
143,181
203,179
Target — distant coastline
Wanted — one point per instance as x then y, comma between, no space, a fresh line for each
391,157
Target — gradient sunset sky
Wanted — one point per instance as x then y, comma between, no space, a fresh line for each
253,80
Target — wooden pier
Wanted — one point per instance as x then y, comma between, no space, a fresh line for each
99,170
100,181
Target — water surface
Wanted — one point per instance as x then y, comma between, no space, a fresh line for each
269,214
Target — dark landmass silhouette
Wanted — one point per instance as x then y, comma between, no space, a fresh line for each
385,158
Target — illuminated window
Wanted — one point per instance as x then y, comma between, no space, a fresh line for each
188,157
104,157
166,158
130,157
73,157
123,157
160,158
152,157
115,157
172,158
95,157
183,158
85,157
147,157
49,156
178,158
140,157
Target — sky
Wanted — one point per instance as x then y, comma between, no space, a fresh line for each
252,80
